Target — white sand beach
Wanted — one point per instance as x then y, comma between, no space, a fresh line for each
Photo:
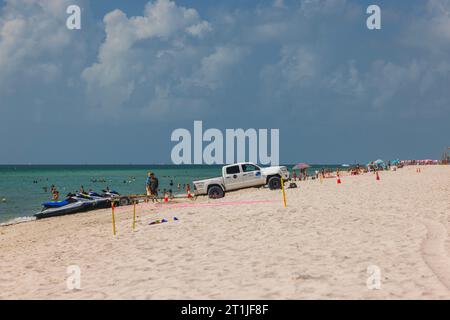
320,246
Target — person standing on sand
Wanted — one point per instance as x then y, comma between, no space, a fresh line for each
154,183
148,183
303,174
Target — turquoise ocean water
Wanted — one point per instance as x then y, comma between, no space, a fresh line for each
22,187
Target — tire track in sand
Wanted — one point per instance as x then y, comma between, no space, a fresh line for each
434,252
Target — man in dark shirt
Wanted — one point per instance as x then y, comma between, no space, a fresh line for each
154,183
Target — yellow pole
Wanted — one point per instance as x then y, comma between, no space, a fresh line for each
284,194
134,216
113,219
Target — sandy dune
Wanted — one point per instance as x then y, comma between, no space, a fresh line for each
320,246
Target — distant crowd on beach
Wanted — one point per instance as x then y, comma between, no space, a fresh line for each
357,169
324,173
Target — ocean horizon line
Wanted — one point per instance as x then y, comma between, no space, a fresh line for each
154,164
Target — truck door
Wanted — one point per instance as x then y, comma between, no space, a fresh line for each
251,175
233,177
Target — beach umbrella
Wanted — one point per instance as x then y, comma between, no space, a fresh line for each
379,164
301,166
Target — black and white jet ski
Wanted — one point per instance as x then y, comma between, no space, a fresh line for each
61,208
75,203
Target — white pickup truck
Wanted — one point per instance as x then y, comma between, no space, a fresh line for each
239,176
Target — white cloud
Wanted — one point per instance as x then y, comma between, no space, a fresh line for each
311,60
324,72
142,51
346,80
299,66
171,59
430,30
199,29
33,41
314,7
439,12
297,70
279,4
215,68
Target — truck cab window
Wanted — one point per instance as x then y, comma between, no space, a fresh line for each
233,170
249,168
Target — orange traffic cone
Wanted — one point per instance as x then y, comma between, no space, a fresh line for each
378,176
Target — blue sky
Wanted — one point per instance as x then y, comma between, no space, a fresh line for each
114,91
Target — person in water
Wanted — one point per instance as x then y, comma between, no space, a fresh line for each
82,190
55,195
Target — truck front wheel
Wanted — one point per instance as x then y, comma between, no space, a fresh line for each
215,192
274,183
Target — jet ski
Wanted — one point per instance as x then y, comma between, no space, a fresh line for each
96,201
110,194
74,203
61,208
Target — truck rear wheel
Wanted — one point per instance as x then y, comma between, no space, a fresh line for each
215,192
124,201
274,183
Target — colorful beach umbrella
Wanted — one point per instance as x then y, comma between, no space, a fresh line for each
379,163
301,166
